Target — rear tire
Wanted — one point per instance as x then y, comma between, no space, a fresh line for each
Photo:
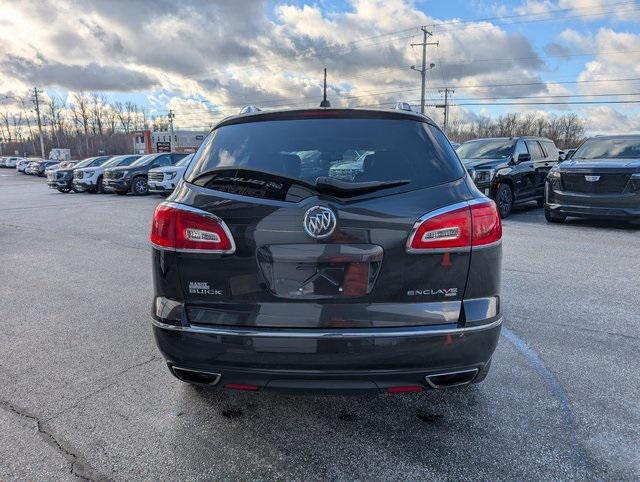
540,202
64,189
482,374
139,186
553,217
504,200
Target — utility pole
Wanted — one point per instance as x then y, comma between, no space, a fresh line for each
445,106
423,70
171,117
36,101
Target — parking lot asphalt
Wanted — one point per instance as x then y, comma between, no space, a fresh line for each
85,393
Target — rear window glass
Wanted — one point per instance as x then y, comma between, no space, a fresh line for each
619,148
349,150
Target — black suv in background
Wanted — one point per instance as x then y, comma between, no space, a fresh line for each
133,178
62,179
601,180
510,170
273,271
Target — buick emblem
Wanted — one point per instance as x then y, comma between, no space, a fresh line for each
319,222
592,178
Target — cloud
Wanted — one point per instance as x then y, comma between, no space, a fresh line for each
585,10
581,42
557,50
616,56
607,120
230,51
89,76
218,56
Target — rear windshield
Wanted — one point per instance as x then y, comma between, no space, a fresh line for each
486,149
353,150
625,148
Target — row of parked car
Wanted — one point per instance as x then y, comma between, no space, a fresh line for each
600,179
129,173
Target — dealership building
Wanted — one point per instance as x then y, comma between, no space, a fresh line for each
148,142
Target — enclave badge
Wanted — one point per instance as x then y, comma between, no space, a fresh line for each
319,222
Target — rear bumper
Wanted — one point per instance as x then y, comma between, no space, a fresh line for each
331,360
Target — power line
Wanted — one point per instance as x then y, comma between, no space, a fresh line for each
306,100
437,27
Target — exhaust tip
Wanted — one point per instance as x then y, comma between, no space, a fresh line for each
452,379
199,377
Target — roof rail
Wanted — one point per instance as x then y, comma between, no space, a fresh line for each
403,106
248,109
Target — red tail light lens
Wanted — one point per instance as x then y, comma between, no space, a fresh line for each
240,386
487,227
405,389
181,228
457,227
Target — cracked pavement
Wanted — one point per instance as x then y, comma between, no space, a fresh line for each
85,394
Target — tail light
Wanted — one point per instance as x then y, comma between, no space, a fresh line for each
181,228
456,228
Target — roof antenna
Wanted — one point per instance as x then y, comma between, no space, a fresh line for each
325,102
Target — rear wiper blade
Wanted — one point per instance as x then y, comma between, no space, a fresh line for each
239,171
322,184
336,185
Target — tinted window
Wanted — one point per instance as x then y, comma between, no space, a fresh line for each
521,148
98,161
550,149
351,150
162,161
619,148
144,160
120,161
535,150
85,162
486,149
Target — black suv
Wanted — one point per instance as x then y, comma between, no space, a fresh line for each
510,170
62,179
133,178
601,180
274,271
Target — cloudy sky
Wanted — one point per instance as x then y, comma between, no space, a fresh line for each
205,59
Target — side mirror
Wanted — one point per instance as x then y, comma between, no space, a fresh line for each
524,157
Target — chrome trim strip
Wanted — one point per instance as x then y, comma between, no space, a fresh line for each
435,385
201,212
216,376
325,333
